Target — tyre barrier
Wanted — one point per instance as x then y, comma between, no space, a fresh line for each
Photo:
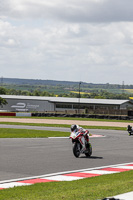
113,117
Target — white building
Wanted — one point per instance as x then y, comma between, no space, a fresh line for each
52,104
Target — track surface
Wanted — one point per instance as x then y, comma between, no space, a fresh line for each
20,158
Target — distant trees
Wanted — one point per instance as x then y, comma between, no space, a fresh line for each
107,95
3,90
97,94
2,102
36,92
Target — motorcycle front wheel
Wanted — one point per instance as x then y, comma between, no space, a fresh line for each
129,133
89,150
76,149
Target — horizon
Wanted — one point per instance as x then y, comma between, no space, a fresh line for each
2,81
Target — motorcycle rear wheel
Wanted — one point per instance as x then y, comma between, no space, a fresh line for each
76,149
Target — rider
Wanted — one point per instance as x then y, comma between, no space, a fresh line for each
77,128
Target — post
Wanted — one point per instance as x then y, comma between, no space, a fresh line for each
79,98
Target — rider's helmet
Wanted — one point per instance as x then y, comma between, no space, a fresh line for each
74,127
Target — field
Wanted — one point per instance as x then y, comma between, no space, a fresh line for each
80,92
129,90
65,87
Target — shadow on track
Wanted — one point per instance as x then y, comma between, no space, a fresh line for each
92,157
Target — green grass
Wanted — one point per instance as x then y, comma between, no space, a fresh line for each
85,189
27,133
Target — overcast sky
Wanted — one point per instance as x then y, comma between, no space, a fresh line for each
71,40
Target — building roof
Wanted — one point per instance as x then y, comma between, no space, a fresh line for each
67,100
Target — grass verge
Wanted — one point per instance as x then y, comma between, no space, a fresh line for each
27,133
85,189
65,126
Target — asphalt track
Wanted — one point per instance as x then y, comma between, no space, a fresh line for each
20,158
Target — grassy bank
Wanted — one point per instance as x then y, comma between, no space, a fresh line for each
27,133
85,189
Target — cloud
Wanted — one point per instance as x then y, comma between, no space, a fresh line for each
84,11
67,40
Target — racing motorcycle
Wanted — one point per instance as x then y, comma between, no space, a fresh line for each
80,144
130,130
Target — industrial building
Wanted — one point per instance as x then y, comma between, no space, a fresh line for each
18,103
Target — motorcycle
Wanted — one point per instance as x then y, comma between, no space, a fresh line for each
130,130
80,144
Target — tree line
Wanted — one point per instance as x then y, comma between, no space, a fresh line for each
102,94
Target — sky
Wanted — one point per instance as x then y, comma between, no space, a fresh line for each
71,40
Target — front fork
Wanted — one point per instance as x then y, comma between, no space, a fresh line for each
78,145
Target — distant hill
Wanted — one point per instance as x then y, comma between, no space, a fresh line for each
36,82
18,81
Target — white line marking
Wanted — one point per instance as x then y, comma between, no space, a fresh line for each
125,167
101,172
